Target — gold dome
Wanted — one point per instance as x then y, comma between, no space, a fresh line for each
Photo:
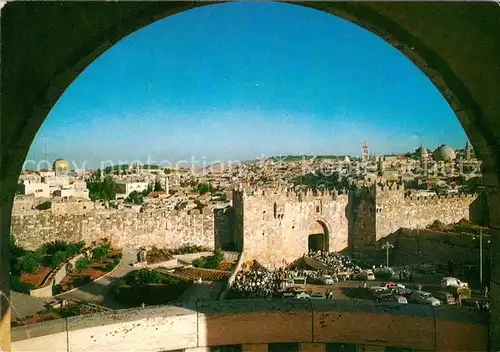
60,166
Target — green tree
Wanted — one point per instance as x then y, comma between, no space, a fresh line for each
29,262
81,264
102,190
135,197
157,186
58,258
15,250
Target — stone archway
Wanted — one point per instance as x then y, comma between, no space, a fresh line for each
318,237
45,46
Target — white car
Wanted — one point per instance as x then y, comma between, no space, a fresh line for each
302,295
327,280
422,297
366,275
375,289
453,282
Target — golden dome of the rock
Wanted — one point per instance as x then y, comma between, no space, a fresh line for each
60,166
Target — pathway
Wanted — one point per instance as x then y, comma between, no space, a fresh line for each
96,292
24,305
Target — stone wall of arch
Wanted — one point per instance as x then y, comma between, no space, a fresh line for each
46,45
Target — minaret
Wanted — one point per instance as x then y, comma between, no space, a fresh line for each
167,188
364,157
467,151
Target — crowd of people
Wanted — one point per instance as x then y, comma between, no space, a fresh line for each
341,266
261,282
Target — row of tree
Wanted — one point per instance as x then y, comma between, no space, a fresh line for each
137,197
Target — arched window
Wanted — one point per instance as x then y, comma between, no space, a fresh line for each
275,210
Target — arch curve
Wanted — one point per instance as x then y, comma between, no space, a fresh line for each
443,39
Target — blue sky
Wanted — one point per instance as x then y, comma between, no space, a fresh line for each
241,80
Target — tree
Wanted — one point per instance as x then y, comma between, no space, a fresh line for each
157,187
29,262
58,258
100,252
81,264
135,197
102,190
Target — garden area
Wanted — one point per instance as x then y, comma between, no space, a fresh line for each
148,287
87,269
212,262
157,255
29,269
70,310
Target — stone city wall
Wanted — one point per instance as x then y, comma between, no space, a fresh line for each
411,247
379,210
276,224
394,211
123,228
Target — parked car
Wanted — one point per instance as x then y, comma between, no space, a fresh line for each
392,298
379,289
445,297
303,295
384,272
453,282
422,297
401,291
392,284
366,275
327,280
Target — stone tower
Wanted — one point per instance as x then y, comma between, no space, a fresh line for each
364,156
467,151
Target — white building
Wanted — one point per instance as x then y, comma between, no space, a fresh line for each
37,189
124,188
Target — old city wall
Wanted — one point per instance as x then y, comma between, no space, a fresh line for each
123,228
276,223
417,246
394,210
361,216
224,228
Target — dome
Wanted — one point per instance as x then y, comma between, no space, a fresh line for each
60,166
347,160
444,153
422,151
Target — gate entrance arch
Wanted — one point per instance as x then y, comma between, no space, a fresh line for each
318,237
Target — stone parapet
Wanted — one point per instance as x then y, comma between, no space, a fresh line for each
258,322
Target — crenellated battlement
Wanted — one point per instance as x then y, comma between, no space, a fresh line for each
388,186
440,198
290,195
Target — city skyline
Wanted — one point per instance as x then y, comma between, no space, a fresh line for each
169,93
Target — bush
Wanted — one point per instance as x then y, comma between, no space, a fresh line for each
101,252
110,266
116,261
56,289
82,263
29,262
144,277
211,262
58,258
18,286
